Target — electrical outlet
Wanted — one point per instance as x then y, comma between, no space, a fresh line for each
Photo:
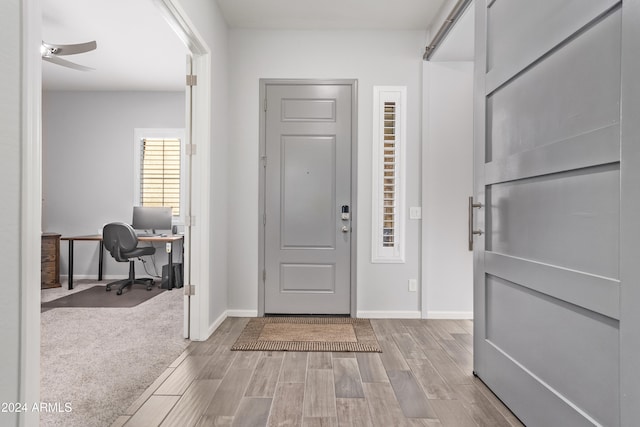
413,285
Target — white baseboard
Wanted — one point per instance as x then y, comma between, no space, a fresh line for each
229,313
389,314
215,325
242,313
466,315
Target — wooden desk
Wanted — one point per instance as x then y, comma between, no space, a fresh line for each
50,261
98,238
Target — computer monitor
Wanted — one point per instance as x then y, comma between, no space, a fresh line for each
151,218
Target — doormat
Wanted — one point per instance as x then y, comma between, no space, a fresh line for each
97,296
308,334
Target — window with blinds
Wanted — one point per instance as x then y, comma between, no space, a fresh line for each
160,161
388,174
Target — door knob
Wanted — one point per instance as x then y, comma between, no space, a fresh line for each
345,229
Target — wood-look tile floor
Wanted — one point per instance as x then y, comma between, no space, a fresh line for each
423,377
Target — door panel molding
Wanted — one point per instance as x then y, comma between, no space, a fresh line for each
500,368
600,147
557,219
582,345
317,154
570,92
524,48
596,293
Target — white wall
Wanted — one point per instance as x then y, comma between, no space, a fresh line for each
20,189
219,161
447,183
88,165
371,57
10,190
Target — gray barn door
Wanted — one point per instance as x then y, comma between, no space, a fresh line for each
547,270
307,183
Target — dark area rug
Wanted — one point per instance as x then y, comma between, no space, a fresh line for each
308,334
97,296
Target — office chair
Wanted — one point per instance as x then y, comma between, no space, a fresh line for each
121,241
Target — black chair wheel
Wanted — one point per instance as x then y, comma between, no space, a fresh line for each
108,289
148,288
119,292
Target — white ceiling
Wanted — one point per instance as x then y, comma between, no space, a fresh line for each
331,14
137,50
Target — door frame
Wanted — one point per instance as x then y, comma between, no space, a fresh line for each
31,209
198,130
629,208
353,83
31,190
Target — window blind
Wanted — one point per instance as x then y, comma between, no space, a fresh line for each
160,173
389,177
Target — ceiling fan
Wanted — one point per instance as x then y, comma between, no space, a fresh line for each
52,52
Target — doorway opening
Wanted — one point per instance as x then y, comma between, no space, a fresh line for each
196,323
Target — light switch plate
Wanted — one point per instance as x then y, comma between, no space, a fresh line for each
415,212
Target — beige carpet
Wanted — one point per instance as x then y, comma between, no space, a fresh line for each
308,334
100,360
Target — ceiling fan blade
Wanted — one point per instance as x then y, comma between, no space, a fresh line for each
70,49
66,63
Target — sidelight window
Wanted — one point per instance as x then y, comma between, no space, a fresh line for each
389,139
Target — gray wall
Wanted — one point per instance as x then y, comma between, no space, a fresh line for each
88,149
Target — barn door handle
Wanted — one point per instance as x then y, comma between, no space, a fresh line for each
473,232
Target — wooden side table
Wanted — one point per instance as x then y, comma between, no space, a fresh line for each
50,261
